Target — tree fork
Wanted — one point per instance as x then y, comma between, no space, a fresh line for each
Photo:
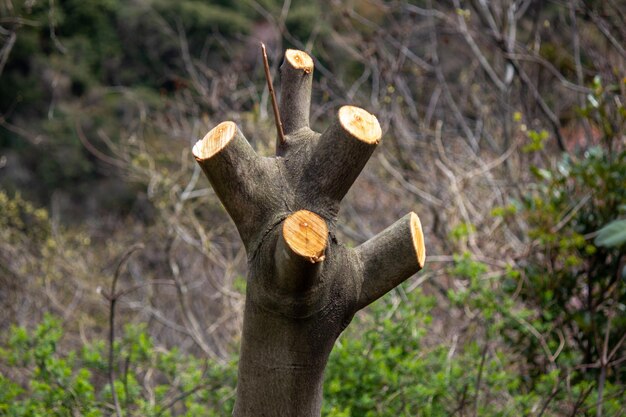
303,287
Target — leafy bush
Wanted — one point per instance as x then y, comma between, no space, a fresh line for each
575,283
394,369
39,379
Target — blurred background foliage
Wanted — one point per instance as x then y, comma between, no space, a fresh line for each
505,130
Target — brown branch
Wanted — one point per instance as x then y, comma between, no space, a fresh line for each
95,151
600,24
113,297
441,80
579,88
551,397
188,317
270,86
579,67
171,403
476,50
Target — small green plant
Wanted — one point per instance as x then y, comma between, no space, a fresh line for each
537,140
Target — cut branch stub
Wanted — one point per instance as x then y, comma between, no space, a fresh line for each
295,93
245,183
306,235
338,157
360,124
300,251
214,141
391,257
299,60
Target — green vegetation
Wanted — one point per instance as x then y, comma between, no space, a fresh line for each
151,382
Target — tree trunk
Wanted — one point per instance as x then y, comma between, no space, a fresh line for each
303,286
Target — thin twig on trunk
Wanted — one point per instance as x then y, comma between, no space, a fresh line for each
270,86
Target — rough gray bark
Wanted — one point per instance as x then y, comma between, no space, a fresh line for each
297,303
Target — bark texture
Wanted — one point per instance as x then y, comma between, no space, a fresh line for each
303,286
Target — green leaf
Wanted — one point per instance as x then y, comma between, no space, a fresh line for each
612,235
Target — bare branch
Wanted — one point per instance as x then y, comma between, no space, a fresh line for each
477,52
113,297
270,86
601,25
445,88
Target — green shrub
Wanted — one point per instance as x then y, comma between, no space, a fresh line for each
39,379
574,282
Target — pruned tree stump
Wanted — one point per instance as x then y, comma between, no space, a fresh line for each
303,286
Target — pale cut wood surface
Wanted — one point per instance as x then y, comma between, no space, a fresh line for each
306,234
418,239
299,60
360,124
215,140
